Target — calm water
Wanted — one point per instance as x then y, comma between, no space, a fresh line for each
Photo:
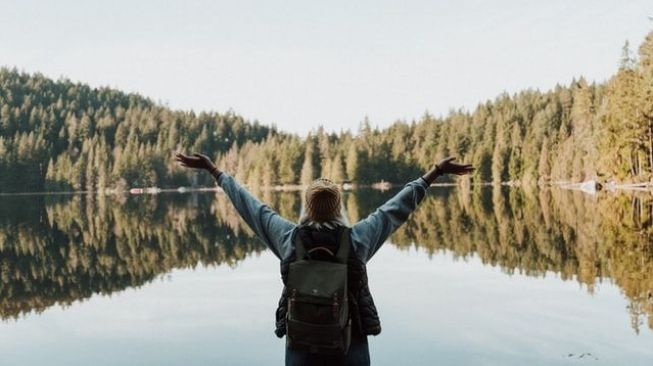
485,277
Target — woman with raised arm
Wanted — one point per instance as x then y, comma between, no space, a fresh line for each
318,236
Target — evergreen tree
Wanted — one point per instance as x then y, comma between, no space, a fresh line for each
308,169
352,163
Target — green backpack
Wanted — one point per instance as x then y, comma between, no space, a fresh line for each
318,318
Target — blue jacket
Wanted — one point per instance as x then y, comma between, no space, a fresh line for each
367,235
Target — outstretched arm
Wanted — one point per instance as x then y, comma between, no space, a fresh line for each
267,224
447,166
370,233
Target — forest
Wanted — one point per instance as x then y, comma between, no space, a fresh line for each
63,136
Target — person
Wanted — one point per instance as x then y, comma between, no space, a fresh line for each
323,217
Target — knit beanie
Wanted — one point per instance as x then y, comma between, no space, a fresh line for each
323,200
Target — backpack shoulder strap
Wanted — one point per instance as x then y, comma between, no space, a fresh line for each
300,248
344,243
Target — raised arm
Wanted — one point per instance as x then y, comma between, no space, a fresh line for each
370,233
267,224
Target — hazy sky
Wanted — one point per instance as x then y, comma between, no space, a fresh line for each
299,64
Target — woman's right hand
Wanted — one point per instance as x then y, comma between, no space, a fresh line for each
196,161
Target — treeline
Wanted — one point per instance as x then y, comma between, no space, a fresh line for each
64,250
571,133
59,135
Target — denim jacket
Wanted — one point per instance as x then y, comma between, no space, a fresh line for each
367,235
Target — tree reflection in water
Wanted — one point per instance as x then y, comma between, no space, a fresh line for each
60,249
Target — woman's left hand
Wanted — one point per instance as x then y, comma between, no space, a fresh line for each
195,161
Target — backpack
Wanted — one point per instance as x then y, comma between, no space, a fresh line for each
318,319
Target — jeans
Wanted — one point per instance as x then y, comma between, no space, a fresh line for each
358,355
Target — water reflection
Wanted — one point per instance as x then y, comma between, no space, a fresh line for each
60,249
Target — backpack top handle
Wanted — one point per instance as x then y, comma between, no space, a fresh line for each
323,249
343,247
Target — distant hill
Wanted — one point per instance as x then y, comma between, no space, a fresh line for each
571,133
59,135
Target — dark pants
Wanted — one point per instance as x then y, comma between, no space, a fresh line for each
358,355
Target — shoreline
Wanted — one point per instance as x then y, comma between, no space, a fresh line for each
587,187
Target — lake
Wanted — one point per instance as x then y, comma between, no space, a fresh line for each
478,275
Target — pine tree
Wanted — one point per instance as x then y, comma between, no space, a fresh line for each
627,62
352,163
645,101
337,170
544,165
308,169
